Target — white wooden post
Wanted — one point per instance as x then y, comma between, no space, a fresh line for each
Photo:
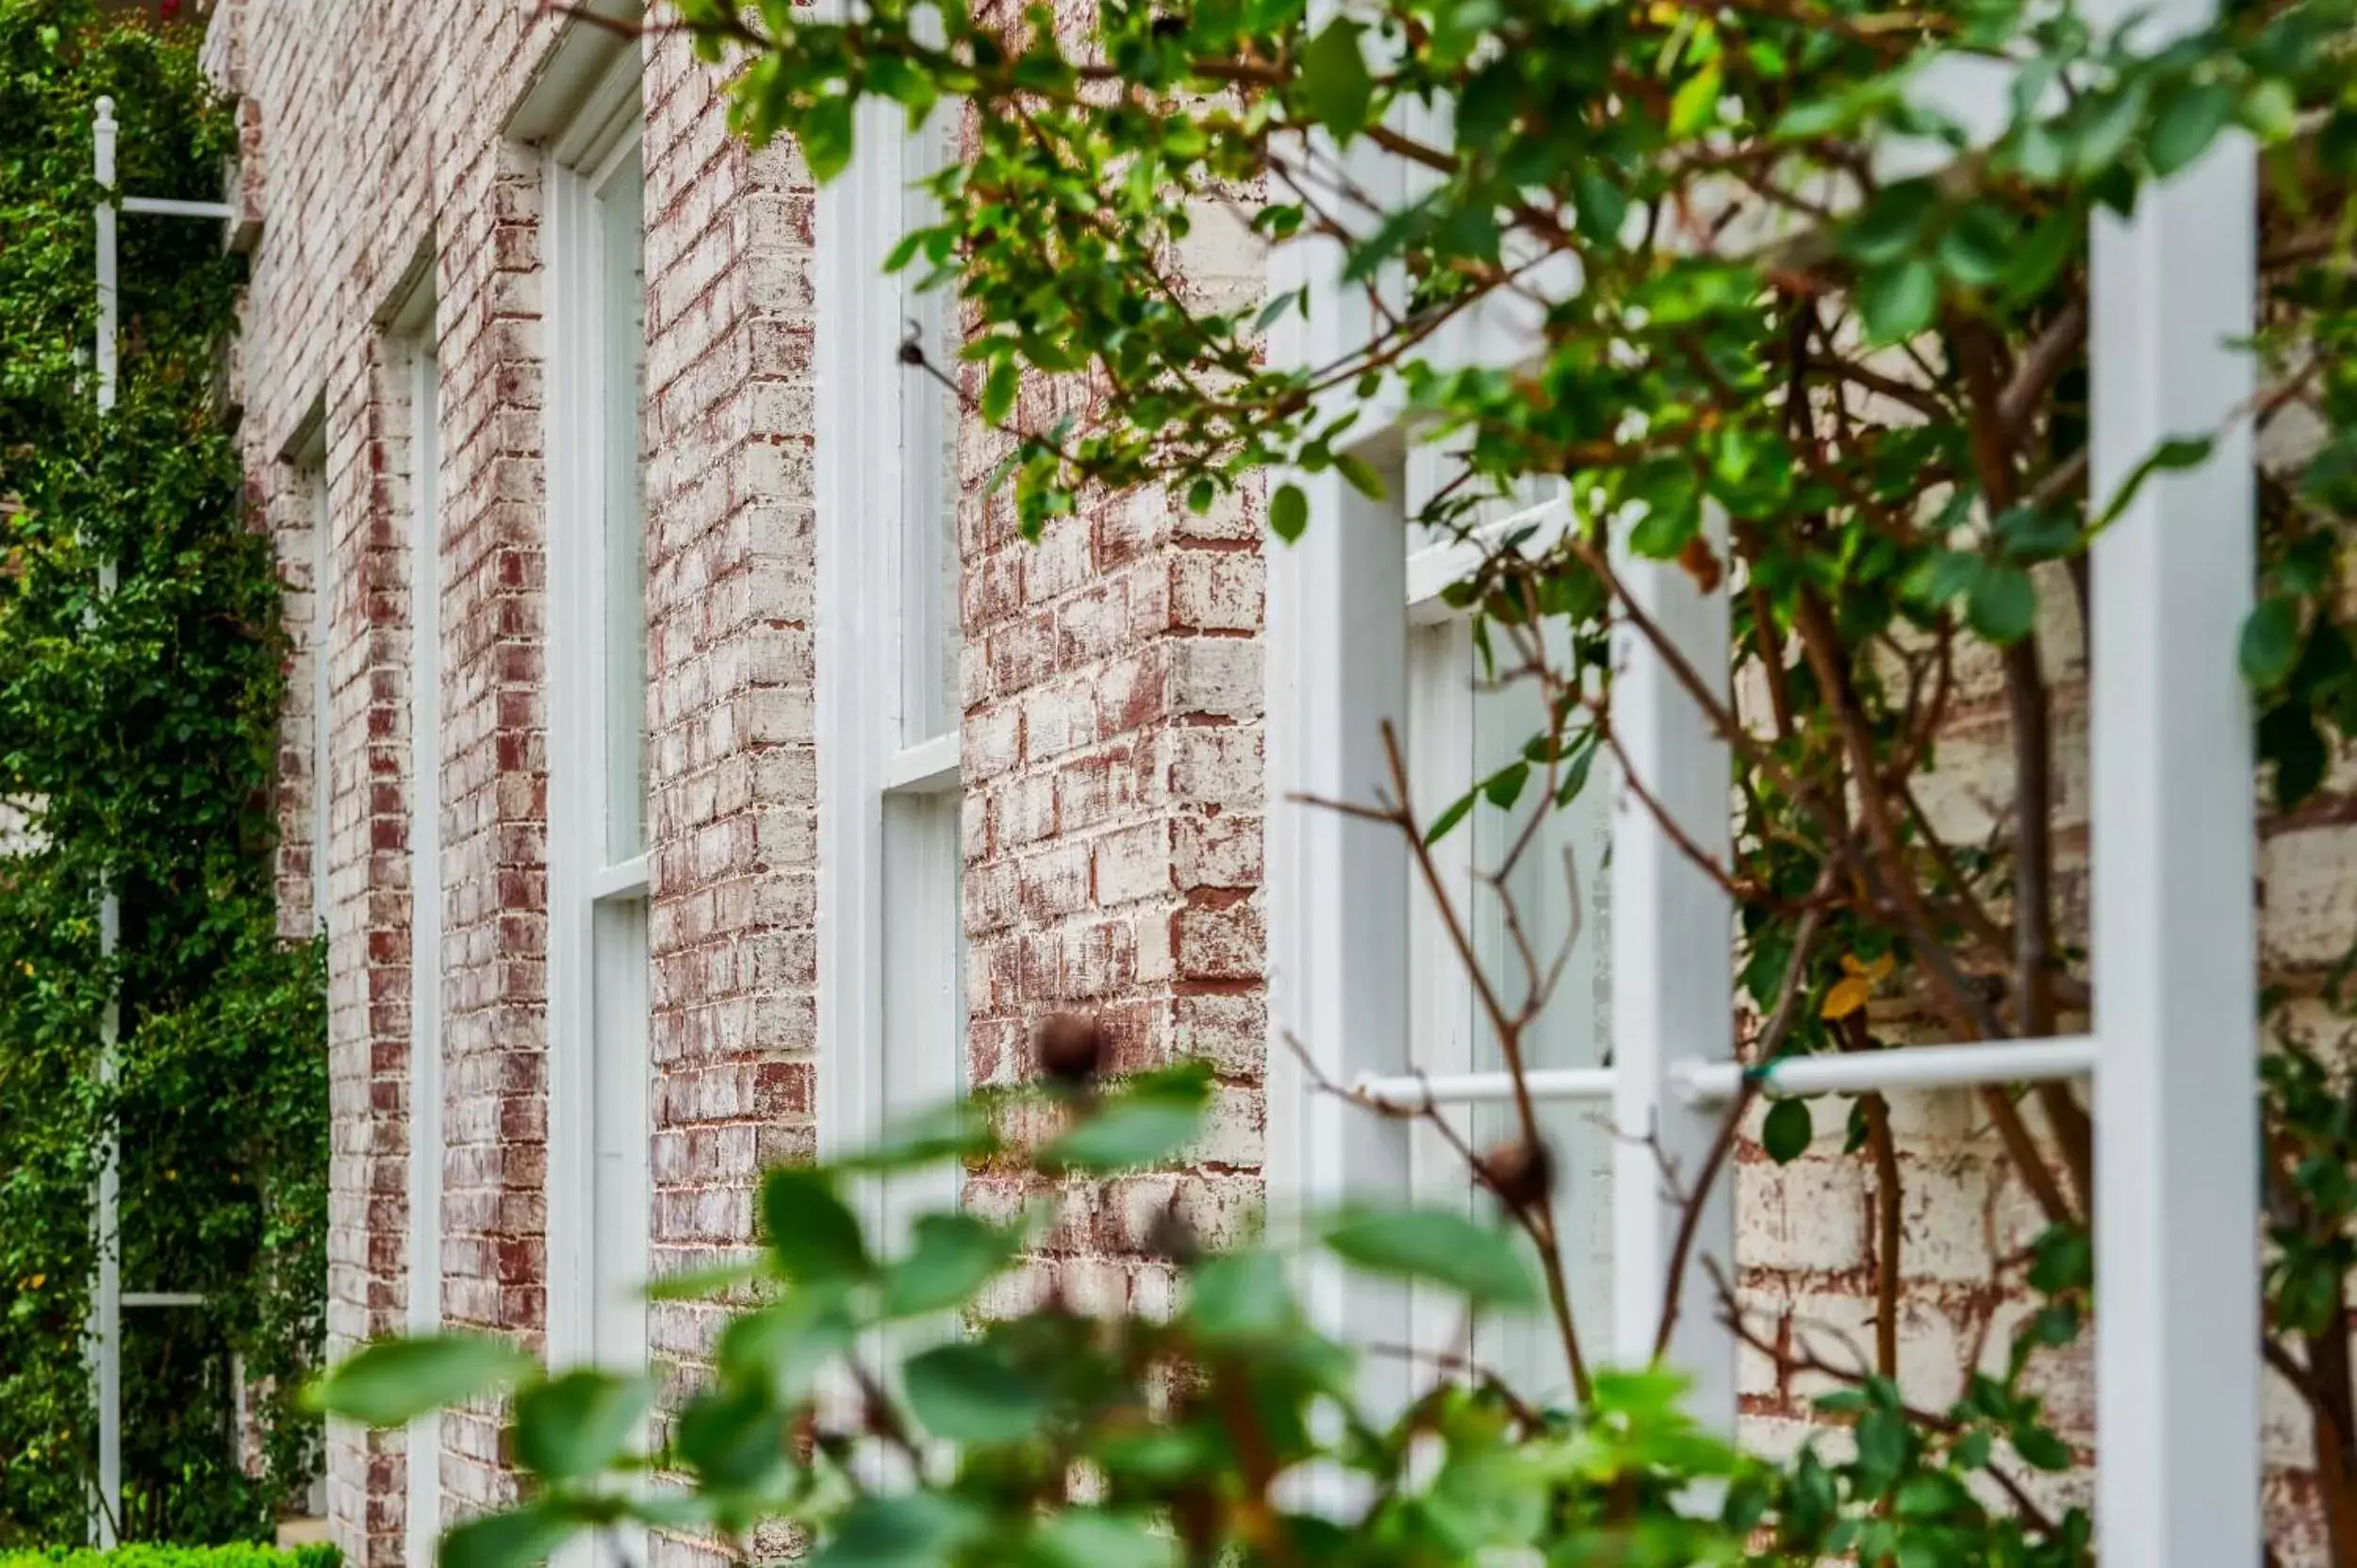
423,1519
2177,1169
106,1316
1338,949
1338,887
1673,978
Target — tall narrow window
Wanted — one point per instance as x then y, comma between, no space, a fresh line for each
891,1023
314,483
923,946
600,1198
1473,715
424,378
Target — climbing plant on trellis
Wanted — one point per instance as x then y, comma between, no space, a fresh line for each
137,733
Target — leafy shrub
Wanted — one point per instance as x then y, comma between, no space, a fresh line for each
162,1555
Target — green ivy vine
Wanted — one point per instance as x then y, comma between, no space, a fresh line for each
137,738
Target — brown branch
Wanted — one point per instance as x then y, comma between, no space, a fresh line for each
2039,367
1764,1050
1888,1234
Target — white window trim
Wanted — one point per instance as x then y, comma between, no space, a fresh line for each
596,943
422,373
314,481
870,767
2174,939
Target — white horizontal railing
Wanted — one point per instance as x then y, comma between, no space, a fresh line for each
1905,1067
169,206
1414,1091
1707,1082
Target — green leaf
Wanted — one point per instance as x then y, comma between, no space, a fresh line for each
1335,84
1362,475
1241,1296
1093,1538
2027,534
1977,247
1456,813
1787,1131
812,1235
1601,207
2177,453
397,1380
1898,301
783,1346
2101,132
575,1425
2288,738
1124,1135
2004,602
2052,240
2271,111
998,388
906,1529
1479,1261
2187,125
731,1437
1892,225
2041,1447
1695,104
967,1393
1942,577
514,1539
1288,513
825,133
952,1256
1576,771
1930,1494
2270,643
1505,786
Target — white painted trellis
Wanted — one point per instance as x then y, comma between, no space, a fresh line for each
2173,1053
103,1330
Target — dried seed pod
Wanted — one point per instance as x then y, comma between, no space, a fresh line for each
1069,1048
1522,1173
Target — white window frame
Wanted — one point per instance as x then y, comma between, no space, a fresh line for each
1448,703
2174,938
306,461
890,1021
600,1187
419,370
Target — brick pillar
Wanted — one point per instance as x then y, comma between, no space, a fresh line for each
368,894
494,785
1111,684
730,566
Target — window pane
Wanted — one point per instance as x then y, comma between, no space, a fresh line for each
1557,888
924,965
1463,728
623,312
618,1134
928,426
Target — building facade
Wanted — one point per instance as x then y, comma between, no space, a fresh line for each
690,765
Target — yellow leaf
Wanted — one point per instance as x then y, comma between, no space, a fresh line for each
1852,963
1847,995
37,1281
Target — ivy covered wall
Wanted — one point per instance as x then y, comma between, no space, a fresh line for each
136,741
